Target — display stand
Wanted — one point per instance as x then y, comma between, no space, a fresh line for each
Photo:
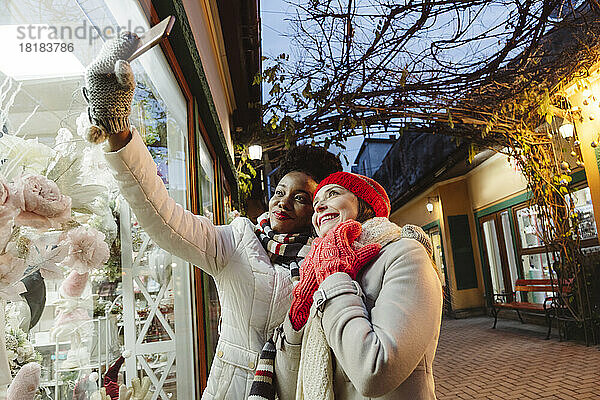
135,339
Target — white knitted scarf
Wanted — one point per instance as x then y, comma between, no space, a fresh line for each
315,373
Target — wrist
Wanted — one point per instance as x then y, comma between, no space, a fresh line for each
117,141
330,270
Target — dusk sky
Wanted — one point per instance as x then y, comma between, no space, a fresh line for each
275,25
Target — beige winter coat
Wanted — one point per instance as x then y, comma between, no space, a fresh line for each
383,345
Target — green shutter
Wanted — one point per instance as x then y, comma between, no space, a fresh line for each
462,252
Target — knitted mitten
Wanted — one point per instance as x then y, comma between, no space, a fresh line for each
75,283
304,290
138,391
336,254
110,379
25,384
109,88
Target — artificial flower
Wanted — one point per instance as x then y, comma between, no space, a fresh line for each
11,271
83,123
8,210
63,142
87,249
74,285
42,204
19,350
47,257
24,155
13,292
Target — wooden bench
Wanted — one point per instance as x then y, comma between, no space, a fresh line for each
508,301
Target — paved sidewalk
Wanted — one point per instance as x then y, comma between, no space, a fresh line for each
513,361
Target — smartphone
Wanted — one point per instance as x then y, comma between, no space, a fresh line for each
152,37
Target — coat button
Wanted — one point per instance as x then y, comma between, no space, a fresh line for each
251,365
219,354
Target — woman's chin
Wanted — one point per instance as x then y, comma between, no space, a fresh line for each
282,226
327,226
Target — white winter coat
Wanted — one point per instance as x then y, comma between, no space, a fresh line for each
254,294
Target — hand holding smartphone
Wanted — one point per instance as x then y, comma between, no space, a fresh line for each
152,37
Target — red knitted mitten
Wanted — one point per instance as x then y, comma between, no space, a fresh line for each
335,253
304,290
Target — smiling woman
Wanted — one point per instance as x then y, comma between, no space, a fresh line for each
374,325
290,208
333,204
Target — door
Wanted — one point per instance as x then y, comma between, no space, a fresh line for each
499,253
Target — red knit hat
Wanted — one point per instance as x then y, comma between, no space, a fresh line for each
362,187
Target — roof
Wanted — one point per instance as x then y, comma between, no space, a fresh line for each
392,139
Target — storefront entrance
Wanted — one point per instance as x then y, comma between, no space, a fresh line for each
499,252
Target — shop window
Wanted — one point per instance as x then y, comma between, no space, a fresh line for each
582,201
536,261
529,225
140,299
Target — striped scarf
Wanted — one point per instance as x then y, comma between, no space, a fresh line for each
288,250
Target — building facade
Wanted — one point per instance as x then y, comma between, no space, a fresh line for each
478,216
158,307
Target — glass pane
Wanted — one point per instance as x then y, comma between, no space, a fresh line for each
437,253
582,201
529,225
42,122
493,256
536,266
206,180
212,308
509,245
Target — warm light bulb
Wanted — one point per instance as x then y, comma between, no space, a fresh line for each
255,152
429,206
566,130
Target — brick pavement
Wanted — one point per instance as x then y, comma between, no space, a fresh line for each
474,361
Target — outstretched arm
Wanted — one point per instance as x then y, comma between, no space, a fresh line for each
110,85
172,227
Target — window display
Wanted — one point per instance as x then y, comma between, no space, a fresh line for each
87,284
582,202
535,259
529,226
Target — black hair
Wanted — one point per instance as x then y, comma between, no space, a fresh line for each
314,161
365,211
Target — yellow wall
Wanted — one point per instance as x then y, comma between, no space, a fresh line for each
493,181
455,200
588,130
414,212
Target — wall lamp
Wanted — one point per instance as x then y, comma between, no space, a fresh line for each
429,204
566,130
255,152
